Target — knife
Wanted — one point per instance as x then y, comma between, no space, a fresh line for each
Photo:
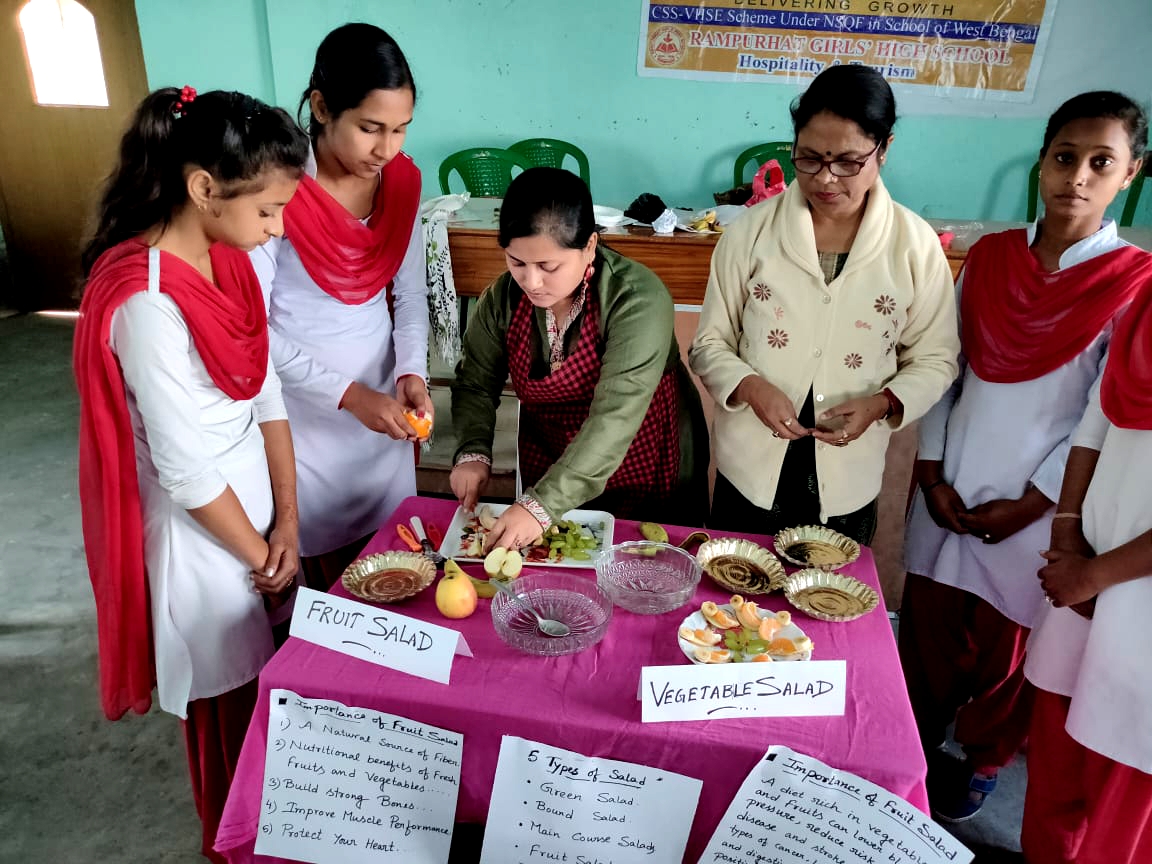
429,550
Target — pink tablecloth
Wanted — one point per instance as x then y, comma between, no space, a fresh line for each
587,703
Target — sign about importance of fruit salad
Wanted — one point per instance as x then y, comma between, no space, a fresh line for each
793,809
720,692
354,785
379,636
550,804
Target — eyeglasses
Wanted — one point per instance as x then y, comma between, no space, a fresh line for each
836,167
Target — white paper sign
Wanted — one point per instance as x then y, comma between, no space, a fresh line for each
377,635
723,691
550,804
793,809
355,785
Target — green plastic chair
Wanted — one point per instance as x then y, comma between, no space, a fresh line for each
1126,215
781,151
486,171
550,153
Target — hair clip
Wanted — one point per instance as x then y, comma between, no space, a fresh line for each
186,98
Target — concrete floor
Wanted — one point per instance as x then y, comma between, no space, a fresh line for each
74,788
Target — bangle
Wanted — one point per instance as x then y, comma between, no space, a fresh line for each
1067,516
932,485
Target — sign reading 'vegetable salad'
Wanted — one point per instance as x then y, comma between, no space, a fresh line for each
724,691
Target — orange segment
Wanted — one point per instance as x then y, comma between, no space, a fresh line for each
782,645
705,638
717,617
711,655
748,613
768,628
760,658
421,422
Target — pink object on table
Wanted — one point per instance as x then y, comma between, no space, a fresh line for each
587,702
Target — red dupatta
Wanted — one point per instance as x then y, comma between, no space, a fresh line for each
230,331
1019,322
1126,391
349,260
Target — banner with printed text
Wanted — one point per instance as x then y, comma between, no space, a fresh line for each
979,48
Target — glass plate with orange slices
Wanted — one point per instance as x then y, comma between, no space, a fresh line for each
739,631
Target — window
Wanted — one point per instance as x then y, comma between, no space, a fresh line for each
63,53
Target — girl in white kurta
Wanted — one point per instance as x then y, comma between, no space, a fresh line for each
1037,307
348,306
1089,797
186,471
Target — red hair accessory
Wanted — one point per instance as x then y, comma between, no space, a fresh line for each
187,96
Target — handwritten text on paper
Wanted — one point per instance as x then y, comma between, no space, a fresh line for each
355,785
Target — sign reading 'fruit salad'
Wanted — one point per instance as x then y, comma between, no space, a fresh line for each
379,636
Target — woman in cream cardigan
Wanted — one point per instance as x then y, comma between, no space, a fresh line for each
828,322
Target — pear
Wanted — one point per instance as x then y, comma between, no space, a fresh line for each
456,596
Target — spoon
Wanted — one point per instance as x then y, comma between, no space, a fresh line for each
547,626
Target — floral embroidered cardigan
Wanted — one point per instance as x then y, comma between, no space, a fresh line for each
888,320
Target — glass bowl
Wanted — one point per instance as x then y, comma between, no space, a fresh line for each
648,578
575,600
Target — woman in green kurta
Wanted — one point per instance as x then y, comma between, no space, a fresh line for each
609,417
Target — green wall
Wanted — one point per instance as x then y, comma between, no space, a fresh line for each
495,72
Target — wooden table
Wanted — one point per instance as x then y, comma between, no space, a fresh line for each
681,260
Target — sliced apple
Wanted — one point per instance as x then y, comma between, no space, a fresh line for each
495,560
513,564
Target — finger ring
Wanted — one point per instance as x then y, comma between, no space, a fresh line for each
844,436
1048,599
775,434
787,422
987,536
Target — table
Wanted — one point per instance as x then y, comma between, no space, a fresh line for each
682,260
587,702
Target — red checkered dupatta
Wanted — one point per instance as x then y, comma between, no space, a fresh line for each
554,408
